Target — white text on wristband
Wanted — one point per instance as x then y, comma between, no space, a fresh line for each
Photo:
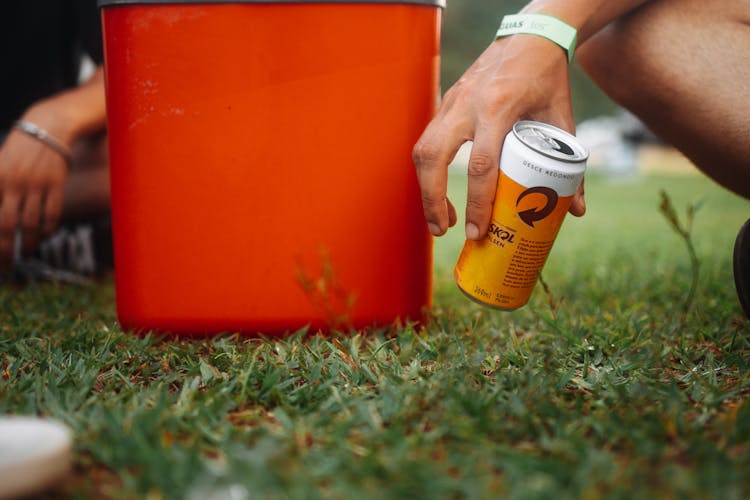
542,25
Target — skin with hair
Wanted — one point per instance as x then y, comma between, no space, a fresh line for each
37,187
675,63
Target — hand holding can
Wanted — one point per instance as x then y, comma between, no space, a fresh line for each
541,168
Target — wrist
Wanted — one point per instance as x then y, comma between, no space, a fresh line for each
543,26
587,16
42,135
55,118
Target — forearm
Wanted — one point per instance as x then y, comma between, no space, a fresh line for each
73,113
587,16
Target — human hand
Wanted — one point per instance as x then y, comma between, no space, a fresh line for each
32,178
516,78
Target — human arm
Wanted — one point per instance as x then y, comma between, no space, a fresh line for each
32,175
517,77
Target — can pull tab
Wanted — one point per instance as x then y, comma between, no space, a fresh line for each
546,143
550,141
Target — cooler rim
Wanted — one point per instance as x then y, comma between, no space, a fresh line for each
109,3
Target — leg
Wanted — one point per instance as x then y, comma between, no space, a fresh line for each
682,67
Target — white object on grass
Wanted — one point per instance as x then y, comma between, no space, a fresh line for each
34,454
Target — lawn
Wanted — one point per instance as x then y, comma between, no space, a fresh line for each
613,383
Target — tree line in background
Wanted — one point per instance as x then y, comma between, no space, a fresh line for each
470,25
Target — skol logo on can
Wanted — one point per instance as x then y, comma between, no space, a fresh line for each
541,168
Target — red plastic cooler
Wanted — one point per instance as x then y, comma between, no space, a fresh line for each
261,162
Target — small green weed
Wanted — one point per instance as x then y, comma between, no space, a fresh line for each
684,231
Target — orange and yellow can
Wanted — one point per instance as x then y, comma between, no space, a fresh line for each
541,167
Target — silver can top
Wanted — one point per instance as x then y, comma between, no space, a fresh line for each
550,141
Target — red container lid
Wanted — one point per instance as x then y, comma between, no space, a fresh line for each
106,3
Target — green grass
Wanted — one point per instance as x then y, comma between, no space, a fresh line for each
604,387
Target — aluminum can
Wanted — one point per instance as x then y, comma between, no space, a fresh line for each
541,167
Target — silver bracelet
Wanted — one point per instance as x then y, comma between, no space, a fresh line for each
43,136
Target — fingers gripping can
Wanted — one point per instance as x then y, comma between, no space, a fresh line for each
541,168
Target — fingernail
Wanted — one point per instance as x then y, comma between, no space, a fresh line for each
472,231
434,228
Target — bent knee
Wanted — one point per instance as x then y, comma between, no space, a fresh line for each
602,59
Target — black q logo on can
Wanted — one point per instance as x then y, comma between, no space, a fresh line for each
535,214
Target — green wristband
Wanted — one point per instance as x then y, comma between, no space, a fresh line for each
542,25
